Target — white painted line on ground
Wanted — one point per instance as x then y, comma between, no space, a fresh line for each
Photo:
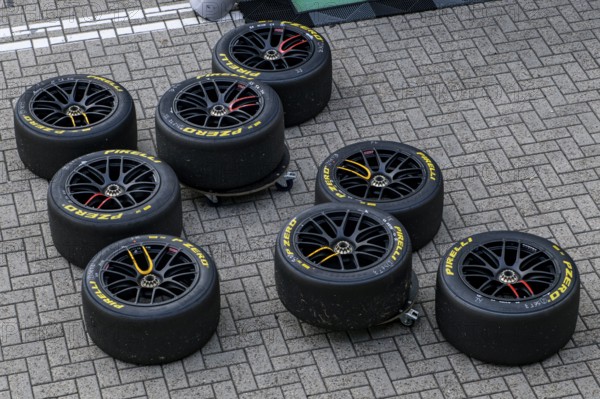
53,32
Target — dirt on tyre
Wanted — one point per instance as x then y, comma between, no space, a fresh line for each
293,59
151,299
507,297
106,196
72,115
220,131
343,267
388,176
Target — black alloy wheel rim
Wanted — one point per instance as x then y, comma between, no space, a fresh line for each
380,175
275,48
75,104
509,270
112,183
218,104
149,273
344,241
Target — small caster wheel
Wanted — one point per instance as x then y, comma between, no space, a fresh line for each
212,199
408,318
286,182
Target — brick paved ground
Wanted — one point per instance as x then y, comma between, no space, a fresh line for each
504,95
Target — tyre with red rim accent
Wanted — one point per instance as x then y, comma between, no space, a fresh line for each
388,176
507,297
294,60
106,196
72,115
343,267
151,299
221,131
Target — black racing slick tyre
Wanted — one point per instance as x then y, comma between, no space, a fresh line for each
66,117
151,299
388,176
343,267
507,298
109,195
220,131
293,59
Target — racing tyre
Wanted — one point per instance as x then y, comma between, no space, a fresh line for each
343,267
507,298
151,299
106,196
66,117
293,59
391,177
220,132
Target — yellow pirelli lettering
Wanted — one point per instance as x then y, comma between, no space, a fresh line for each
566,283
104,298
288,232
238,68
449,264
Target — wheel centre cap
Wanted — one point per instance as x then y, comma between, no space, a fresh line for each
343,247
113,190
508,276
272,55
149,281
379,181
74,110
219,110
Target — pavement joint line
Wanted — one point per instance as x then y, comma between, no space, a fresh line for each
49,33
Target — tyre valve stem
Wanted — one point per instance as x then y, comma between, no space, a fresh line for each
322,249
363,167
149,261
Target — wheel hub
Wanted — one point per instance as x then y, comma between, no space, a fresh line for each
379,181
343,248
149,281
508,276
113,190
272,55
218,110
74,110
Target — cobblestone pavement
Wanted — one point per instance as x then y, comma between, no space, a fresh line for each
504,95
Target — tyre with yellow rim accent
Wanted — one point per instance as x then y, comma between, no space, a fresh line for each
109,195
343,266
221,132
507,297
151,299
389,176
294,60
68,116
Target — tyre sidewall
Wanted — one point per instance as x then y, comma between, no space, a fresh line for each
120,115
248,132
449,278
328,189
321,54
203,287
164,197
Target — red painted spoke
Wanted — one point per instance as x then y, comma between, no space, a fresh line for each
513,290
527,286
92,197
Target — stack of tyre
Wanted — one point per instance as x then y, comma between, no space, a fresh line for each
223,133
148,296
